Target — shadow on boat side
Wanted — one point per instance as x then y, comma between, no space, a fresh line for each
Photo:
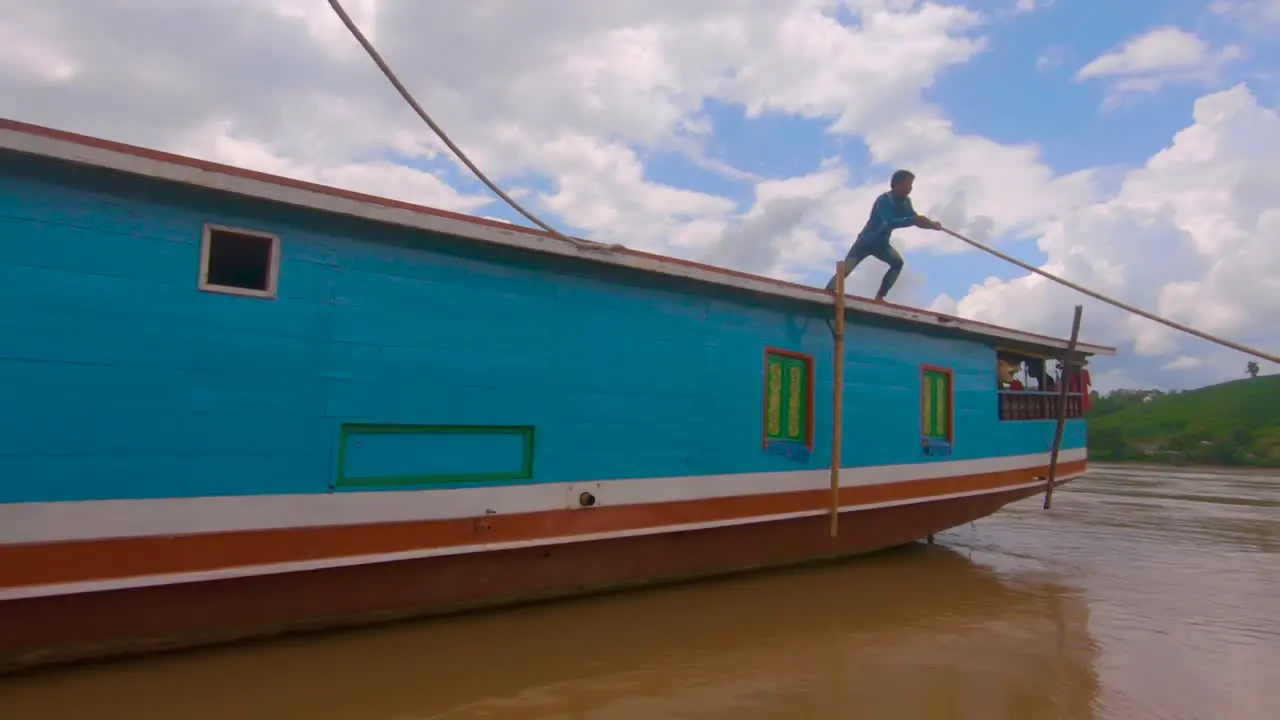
915,632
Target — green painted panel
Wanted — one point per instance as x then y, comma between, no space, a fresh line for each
936,405
786,398
926,404
371,456
797,400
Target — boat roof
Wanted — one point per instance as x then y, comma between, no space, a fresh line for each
65,146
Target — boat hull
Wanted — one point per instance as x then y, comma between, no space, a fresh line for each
36,631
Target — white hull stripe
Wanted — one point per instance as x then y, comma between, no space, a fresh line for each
22,523
354,560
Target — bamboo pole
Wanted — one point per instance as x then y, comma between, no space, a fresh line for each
1068,370
837,401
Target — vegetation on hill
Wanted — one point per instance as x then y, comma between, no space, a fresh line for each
1235,423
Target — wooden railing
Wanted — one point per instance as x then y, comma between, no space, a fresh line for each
1037,405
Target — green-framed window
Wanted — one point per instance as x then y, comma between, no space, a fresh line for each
936,403
788,400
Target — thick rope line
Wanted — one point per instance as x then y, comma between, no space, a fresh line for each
1128,308
444,137
440,133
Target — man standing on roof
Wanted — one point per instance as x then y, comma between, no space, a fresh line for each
891,211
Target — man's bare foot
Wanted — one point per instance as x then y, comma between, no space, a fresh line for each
878,298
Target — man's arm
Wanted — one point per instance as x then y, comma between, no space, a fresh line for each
885,214
921,221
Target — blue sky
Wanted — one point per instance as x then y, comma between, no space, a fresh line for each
1001,94
1022,88
593,113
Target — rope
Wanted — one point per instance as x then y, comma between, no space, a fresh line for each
440,133
444,137
1129,308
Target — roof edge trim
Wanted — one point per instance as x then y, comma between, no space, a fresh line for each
64,146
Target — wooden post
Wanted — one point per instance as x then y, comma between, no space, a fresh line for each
1068,366
837,401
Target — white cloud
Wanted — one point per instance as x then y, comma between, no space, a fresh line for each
1050,58
1190,236
1164,55
25,49
1249,12
568,97
978,187
1117,379
565,104
216,141
1026,6
1183,362
779,236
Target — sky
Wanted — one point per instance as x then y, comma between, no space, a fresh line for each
1130,146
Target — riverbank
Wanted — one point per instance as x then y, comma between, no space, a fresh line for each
1233,424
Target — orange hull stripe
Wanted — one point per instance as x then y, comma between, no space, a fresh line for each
77,561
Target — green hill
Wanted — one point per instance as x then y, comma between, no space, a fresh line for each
1235,423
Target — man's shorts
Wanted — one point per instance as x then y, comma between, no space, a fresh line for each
880,249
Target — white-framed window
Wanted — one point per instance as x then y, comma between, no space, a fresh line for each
239,262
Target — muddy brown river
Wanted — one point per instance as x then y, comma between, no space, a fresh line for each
1143,593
